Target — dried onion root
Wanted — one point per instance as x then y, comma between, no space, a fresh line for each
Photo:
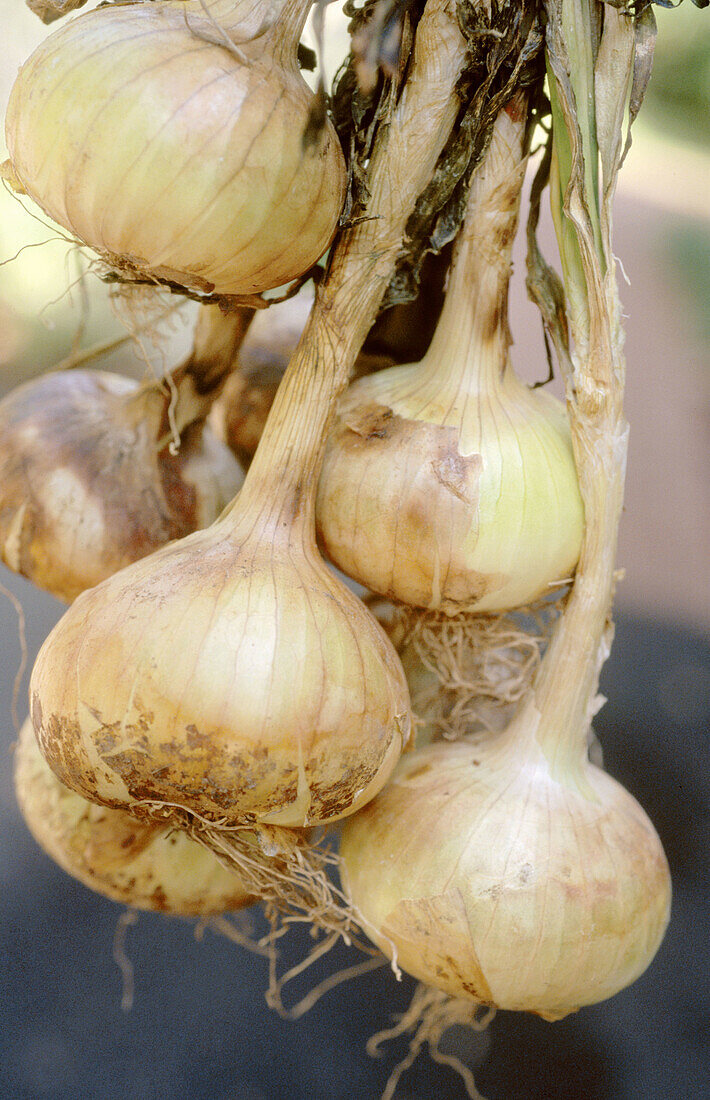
467,672
430,1015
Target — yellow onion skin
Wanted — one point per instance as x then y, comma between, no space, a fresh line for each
230,674
449,484
435,512
170,157
495,881
137,863
85,486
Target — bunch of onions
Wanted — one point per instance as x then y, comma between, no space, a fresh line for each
449,484
506,867
231,675
89,477
140,864
169,137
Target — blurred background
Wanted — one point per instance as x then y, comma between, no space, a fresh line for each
199,1027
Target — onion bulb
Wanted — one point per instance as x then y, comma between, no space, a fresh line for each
172,142
449,484
138,863
88,478
230,674
495,876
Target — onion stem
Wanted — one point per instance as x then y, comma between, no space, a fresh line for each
565,690
469,351
217,339
291,449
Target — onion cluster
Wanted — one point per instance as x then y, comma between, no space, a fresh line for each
214,675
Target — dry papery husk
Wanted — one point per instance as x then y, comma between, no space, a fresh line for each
97,470
168,136
139,863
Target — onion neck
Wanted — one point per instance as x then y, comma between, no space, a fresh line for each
279,491
274,25
199,380
565,691
186,396
287,29
469,352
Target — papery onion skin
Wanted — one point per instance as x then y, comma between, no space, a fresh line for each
496,882
84,487
137,863
170,157
449,484
230,675
464,519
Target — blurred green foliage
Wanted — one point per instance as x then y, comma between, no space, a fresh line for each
678,98
686,249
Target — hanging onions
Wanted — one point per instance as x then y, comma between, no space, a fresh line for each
228,684
449,484
90,478
494,873
169,137
231,674
506,867
140,864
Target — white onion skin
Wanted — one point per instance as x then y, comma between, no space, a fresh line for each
84,487
449,484
230,674
137,863
169,156
435,505
494,881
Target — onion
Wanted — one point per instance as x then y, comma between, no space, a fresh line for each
137,863
88,478
172,142
449,484
494,876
